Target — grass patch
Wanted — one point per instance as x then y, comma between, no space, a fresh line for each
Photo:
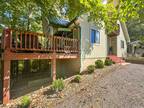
25,102
58,85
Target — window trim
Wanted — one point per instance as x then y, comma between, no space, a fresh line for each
96,43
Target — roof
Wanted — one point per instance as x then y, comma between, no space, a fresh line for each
135,42
60,21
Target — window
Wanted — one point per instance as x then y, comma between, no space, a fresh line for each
95,36
122,44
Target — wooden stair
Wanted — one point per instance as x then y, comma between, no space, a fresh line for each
116,59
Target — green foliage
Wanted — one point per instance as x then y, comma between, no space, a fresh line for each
108,62
122,10
35,65
21,66
32,14
22,15
61,75
99,64
58,85
90,68
25,102
77,79
141,38
40,65
136,27
129,9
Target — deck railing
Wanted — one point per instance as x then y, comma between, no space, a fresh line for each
37,42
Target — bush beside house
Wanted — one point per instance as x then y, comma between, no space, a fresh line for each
108,62
99,64
90,68
77,79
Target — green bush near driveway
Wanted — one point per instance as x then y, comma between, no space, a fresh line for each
77,79
90,68
108,62
99,64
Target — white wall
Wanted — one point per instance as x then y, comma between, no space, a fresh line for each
121,52
89,53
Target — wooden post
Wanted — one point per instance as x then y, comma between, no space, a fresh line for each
53,69
6,81
6,66
53,61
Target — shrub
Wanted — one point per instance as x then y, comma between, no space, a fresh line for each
108,62
58,85
99,64
77,79
91,68
25,102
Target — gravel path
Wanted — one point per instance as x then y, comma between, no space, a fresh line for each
123,88
112,87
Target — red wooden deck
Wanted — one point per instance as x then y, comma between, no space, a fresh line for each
19,45
30,42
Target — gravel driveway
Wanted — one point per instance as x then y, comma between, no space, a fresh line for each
123,88
111,87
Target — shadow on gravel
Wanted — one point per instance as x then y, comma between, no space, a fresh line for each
51,94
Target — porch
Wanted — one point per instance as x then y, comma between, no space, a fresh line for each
112,41
112,45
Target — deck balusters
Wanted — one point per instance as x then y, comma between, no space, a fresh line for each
29,41
21,42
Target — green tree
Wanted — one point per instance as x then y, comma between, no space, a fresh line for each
36,12
136,27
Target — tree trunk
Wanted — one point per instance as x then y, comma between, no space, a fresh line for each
45,26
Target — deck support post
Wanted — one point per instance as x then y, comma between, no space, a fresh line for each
6,81
54,60
54,69
6,57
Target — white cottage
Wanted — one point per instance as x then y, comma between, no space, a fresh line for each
96,44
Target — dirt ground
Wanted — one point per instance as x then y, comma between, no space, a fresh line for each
123,88
112,87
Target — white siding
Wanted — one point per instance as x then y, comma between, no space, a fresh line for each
89,52
121,52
